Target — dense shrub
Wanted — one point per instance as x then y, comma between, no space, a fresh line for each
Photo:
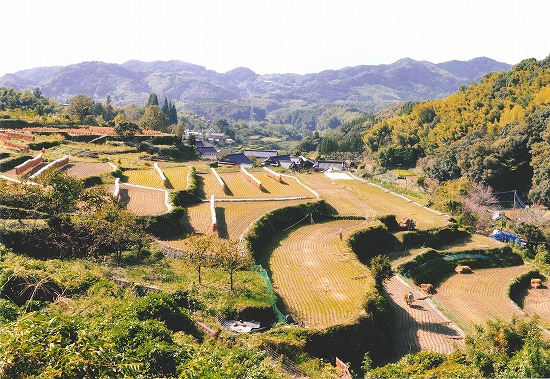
43,145
520,285
11,162
20,213
165,225
16,124
151,343
369,242
163,308
8,311
22,287
91,181
389,222
165,140
433,238
189,195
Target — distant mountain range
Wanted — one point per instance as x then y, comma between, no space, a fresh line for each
235,93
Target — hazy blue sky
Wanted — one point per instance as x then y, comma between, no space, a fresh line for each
277,36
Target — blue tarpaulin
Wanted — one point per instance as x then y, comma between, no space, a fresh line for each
503,236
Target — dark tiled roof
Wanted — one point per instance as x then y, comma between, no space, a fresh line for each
325,165
238,159
207,150
260,153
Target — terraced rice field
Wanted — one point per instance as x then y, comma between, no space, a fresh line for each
537,301
233,217
476,241
238,187
177,177
477,297
81,170
354,197
147,178
313,272
143,201
419,327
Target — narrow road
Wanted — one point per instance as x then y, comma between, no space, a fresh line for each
420,327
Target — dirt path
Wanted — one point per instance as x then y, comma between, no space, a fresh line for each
419,327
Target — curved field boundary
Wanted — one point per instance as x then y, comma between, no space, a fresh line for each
320,281
357,198
60,162
474,298
142,204
399,195
315,193
537,302
420,327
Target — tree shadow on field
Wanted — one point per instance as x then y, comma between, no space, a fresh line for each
169,184
200,187
124,197
228,191
222,224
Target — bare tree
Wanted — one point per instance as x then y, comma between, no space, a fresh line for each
230,258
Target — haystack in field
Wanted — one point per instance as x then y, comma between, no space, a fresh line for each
463,270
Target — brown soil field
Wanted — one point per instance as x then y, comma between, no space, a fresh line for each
81,170
419,327
143,201
477,297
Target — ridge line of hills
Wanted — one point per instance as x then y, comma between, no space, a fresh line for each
186,83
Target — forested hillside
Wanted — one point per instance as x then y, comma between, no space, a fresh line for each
314,101
496,133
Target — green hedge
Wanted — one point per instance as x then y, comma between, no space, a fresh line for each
279,220
91,181
520,285
433,266
433,238
165,140
389,222
45,145
165,225
17,124
190,195
11,162
8,212
369,242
